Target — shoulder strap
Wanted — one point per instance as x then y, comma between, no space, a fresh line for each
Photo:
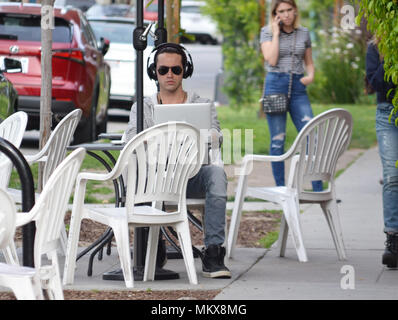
291,69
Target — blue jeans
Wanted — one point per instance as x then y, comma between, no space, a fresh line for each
211,183
300,112
387,137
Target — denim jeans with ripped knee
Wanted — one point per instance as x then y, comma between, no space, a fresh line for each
387,137
300,111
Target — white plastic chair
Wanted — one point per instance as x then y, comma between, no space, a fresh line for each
314,155
49,213
24,281
159,162
12,129
52,154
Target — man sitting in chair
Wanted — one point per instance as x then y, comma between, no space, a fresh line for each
170,66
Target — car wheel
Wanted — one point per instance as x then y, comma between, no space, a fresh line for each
87,131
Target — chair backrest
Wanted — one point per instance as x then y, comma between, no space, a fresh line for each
49,210
7,219
59,139
11,129
319,145
159,162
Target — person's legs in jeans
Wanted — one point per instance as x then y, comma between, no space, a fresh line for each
387,137
301,113
211,183
277,128
277,83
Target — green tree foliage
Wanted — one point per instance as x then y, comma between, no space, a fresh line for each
239,23
382,17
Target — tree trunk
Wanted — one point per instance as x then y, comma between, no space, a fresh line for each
173,20
47,25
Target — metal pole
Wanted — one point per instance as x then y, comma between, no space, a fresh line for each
28,198
139,45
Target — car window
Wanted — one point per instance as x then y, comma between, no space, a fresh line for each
27,28
88,35
115,32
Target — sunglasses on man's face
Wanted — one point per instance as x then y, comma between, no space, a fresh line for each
164,70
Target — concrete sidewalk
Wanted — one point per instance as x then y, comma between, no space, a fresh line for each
323,276
262,274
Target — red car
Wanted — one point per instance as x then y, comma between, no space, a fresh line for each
80,79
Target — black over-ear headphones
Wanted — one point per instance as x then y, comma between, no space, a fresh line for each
185,55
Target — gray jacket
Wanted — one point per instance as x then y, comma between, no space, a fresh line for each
149,103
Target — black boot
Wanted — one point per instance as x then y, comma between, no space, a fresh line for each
213,262
390,255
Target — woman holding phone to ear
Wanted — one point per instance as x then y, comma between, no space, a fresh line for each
277,45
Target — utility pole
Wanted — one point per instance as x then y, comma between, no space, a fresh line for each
47,26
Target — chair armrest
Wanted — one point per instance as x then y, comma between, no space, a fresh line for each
247,162
39,157
23,218
96,176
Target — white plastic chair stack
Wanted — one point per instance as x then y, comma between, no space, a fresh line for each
53,152
24,281
12,129
159,162
314,155
49,213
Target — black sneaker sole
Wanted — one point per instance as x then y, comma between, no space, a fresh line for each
222,274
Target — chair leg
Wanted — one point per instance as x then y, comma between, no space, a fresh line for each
331,213
282,238
236,215
184,238
63,240
151,253
291,211
53,281
121,233
71,249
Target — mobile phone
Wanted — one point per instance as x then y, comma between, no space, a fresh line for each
280,24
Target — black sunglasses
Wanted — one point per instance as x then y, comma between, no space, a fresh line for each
164,70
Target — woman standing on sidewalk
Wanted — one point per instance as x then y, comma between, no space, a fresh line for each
387,137
277,41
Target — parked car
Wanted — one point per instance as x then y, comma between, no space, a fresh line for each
8,94
195,23
80,77
111,10
80,4
151,10
121,57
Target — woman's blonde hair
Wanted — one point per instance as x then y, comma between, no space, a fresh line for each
276,3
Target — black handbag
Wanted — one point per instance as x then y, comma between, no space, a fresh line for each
279,102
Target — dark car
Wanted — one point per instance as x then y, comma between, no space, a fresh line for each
8,95
80,78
